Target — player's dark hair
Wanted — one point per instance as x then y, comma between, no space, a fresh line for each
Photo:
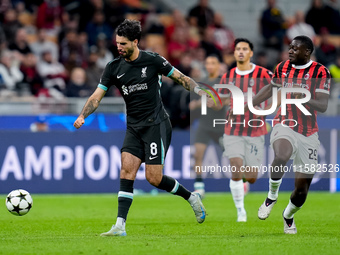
238,40
131,29
305,40
213,56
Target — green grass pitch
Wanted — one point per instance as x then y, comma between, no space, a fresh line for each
165,224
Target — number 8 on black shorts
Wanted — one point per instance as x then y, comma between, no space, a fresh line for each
149,143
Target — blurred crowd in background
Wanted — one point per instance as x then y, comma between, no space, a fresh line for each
59,48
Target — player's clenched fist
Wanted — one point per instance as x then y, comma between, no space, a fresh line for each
79,122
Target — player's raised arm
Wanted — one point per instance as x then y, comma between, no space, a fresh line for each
90,106
186,82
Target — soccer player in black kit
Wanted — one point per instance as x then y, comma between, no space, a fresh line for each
137,74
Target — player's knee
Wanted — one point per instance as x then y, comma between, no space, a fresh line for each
198,156
251,180
236,179
153,179
281,158
301,192
125,173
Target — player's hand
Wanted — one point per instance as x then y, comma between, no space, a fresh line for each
298,94
79,122
210,102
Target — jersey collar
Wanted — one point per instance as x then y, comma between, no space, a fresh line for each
239,72
303,66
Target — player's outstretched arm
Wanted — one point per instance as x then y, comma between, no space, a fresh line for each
320,103
90,106
264,94
185,81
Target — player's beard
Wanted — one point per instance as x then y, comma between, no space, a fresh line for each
128,53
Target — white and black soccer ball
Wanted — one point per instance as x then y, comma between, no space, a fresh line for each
19,202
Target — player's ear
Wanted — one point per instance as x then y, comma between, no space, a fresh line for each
135,42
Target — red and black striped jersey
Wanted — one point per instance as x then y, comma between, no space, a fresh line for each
312,76
256,78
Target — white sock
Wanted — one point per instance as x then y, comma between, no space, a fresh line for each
290,210
120,223
199,185
274,187
237,191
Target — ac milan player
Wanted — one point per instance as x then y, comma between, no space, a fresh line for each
243,143
297,138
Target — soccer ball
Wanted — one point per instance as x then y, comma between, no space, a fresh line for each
19,202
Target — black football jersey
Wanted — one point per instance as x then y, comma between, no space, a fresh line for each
139,82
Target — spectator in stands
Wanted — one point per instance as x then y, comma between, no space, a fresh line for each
71,23
96,27
49,16
137,6
333,15
178,21
326,52
334,69
179,44
11,25
300,27
273,26
25,17
86,11
20,45
77,86
3,40
114,11
198,62
10,74
71,49
262,60
93,71
316,16
208,43
104,55
153,24
53,74
201,15
5,5
185,63
224,36
43,44
32,79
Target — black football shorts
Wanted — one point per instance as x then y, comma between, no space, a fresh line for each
149,143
